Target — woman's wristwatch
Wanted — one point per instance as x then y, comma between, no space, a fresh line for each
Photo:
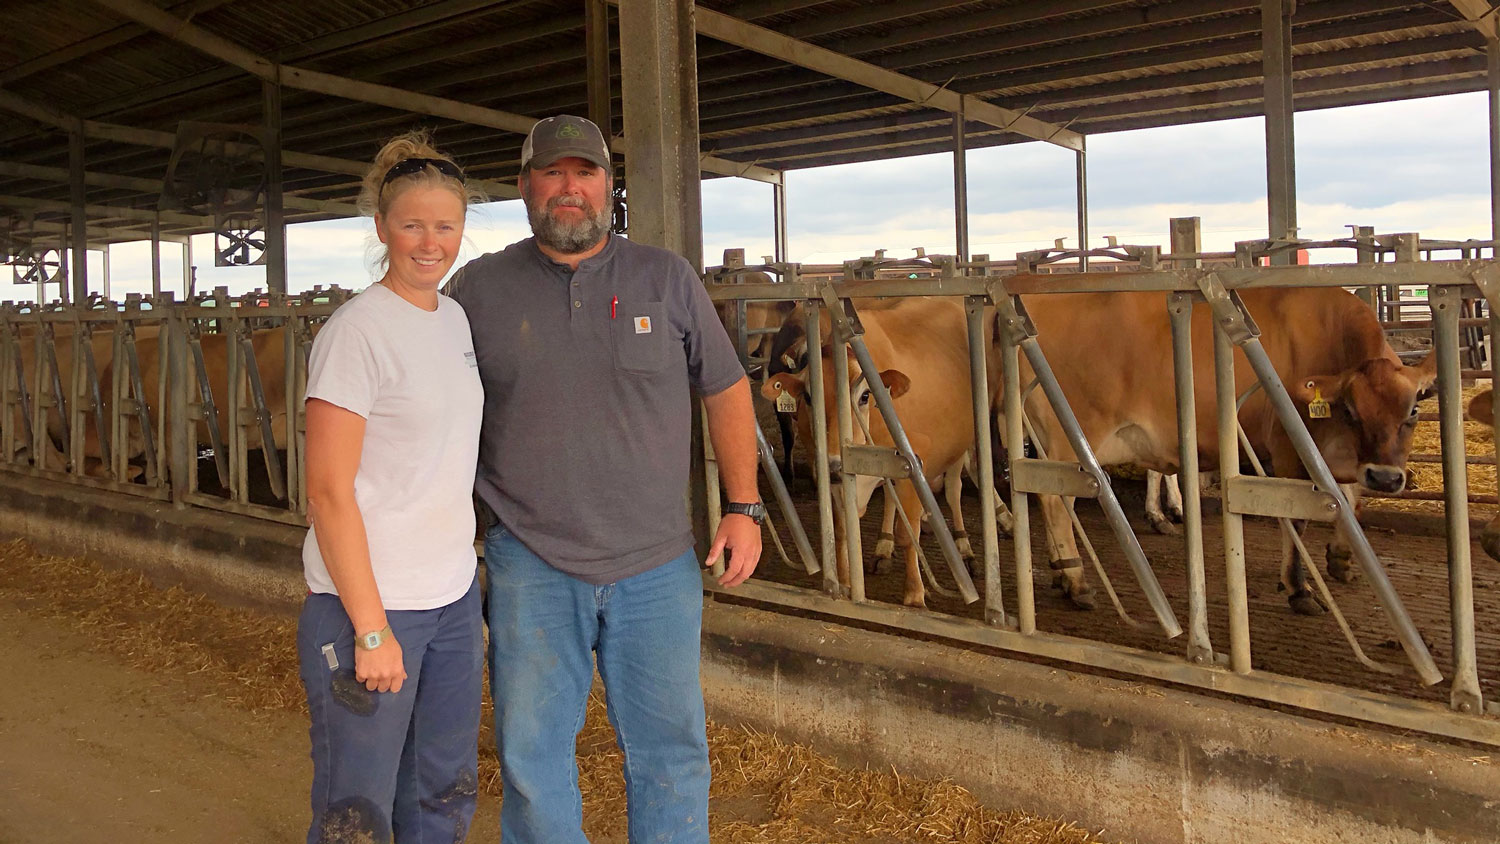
371,641
755,510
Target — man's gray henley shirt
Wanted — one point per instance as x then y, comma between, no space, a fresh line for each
584,450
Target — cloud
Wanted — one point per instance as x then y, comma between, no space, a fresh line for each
1420,165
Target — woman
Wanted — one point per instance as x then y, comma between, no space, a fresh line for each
389,638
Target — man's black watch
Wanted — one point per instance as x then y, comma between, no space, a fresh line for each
755,510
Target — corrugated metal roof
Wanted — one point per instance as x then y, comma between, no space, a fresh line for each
1094,65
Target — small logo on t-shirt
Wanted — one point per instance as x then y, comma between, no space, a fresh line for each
643,325
470,360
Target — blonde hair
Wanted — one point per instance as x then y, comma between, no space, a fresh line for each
375,195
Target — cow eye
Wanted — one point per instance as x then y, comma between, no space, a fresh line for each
864,398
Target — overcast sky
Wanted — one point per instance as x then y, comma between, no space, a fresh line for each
1410,166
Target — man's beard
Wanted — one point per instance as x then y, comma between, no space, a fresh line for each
568,237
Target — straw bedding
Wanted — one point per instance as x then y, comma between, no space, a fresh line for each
765,790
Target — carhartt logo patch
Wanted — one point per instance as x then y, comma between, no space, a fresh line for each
568,130
643,325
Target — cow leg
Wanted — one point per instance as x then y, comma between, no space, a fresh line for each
788,439
1339,554
1294,577
1062,551
915,595
885,546
1003,517
953,490
1154,513
1173,488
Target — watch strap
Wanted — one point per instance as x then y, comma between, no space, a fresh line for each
371,641
755,510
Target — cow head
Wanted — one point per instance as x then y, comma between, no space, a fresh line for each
1362,419
859,393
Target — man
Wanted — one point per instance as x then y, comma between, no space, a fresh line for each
587,345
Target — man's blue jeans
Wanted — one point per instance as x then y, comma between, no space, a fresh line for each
545,629
400,763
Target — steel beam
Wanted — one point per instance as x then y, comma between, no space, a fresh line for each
1483,14
1281,174
596,34
772,43
960,188
1492,79
153,186
275,219
78,192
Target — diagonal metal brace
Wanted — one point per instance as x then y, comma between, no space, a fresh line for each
1230,314
847,328
1014,319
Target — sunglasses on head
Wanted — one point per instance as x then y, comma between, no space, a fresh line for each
413,166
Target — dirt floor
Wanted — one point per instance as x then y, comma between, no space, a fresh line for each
136,714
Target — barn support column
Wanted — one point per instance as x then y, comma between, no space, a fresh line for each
778,219
275,215
659,92
80,273
156,256
1492,50
104,271
960,186
187,267
659,103
596,36
1281,173
1082,167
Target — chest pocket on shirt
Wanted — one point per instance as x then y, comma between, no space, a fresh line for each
639,335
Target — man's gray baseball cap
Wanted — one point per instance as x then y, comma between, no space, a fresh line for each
562,137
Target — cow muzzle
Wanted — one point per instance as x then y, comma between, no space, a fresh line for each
835,470
1382,478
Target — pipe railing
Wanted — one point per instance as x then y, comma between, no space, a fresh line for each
1218,285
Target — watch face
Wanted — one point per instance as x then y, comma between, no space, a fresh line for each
372,641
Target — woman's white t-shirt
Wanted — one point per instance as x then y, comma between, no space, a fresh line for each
411,374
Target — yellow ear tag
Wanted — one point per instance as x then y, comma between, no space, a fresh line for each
1318,407
786,402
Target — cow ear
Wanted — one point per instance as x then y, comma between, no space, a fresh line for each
782,383
1308,391
1482,408
896,381
1424,376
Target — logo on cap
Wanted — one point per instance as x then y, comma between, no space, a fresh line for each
568,130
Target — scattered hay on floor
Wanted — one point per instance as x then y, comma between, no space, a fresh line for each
765,790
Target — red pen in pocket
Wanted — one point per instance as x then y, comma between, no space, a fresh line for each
614,303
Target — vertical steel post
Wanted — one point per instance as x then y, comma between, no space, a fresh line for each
778,218
1180,307
1281,173
1492,79
1234,523
1364,254
1446,302
1081,176
156,254
275,217
1186,235
104,272
816,397
187,267
960,186
182,431
78,193
979,384
1015,449
853,549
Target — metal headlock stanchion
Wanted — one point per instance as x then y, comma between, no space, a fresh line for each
827,541
784,501
850,331
210,412
1231,316
1013,313
262,413
979,391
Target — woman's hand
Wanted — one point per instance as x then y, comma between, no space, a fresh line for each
382,669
